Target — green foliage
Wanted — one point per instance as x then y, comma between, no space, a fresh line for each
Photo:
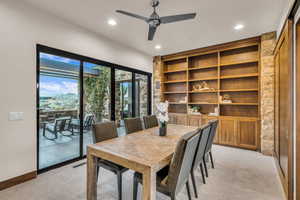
96,92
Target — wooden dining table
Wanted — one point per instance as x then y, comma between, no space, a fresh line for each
145,152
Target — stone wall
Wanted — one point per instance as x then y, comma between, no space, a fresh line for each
157,69
268,42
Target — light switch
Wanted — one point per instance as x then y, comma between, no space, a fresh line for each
15,116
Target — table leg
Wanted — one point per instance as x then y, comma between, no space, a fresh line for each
149,184
91,177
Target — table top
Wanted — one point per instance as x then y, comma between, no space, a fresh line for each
144,148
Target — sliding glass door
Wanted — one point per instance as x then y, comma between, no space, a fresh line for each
59,88
123,98
75,92
96,98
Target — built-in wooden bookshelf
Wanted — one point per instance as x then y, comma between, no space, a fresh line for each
230,69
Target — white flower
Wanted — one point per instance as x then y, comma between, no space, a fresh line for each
162,108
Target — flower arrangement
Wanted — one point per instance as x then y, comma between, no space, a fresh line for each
163,117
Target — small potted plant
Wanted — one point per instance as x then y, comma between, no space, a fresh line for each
163,117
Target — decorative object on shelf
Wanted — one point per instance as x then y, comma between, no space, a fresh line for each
195,110
226,98
202,86
183,100
163,117
216,113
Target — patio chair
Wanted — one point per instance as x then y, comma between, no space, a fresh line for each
171,179
87,123
59,126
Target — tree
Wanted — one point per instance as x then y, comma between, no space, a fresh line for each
96,92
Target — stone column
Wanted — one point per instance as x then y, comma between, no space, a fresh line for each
157,83
268,42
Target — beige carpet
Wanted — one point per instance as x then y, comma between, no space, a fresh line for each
239,175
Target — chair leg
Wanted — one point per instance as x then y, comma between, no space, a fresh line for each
211,160
194,183
205,167
119,175
135,188
188,190
202,173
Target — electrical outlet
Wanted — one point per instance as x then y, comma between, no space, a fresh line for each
15,116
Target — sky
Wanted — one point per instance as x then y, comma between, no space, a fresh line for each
52,86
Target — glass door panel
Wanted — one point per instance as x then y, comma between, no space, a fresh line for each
96,98
123,98
141,95
59,88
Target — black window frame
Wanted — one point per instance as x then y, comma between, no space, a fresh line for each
58,52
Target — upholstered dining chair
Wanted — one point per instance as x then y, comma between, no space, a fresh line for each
212,134
133,125
150,121
105,131
171,179
199,155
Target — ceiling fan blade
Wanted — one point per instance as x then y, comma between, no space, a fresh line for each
151,33
132,15
176,18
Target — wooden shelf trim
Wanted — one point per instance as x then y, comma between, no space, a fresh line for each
239,63
239,104
208,91
203,67
177,103
176,92
175,71
240,90
176,81
240,76
202,103
203,79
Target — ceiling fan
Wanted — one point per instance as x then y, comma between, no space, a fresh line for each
154,20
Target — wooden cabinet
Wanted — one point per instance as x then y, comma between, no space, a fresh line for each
194,120
203,79
283,109
247,133
227,133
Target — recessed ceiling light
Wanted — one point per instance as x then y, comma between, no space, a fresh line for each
158,47
112,22
239,27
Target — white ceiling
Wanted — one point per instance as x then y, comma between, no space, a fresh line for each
214,22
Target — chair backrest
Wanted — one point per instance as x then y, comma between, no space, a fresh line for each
133,125
67,125
150,121
59,125
182,161
204,134
104,131
88,121
212,134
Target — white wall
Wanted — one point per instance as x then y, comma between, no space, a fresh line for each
287,7
21,28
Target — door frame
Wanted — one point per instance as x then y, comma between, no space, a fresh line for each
58,52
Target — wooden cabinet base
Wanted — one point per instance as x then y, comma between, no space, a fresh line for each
241,132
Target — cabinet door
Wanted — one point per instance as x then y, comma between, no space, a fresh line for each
181,120
227,133
172,119
194,121
247,134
